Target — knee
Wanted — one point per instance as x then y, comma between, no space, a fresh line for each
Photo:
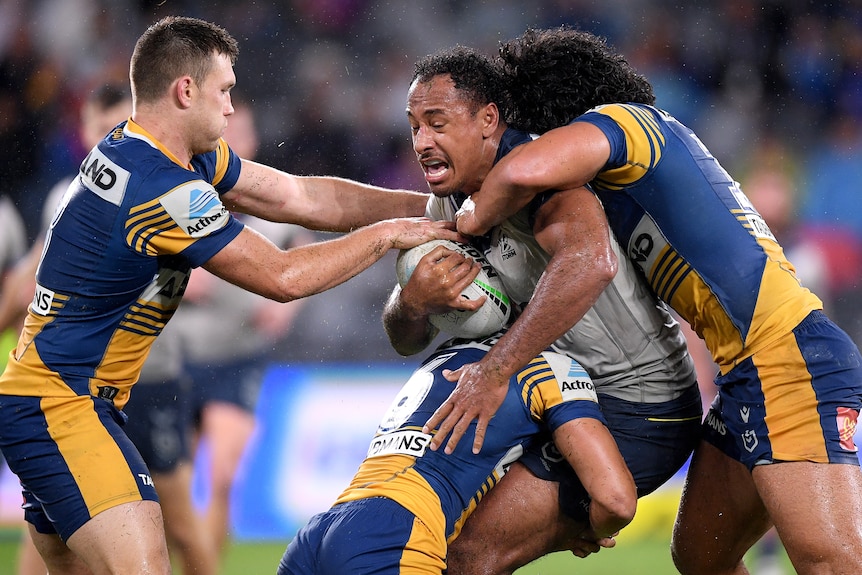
688,560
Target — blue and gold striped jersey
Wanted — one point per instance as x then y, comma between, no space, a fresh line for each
688,226
117,257
442,490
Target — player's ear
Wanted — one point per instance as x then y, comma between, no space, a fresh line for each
490,118
183,89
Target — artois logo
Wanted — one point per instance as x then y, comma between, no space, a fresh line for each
847,420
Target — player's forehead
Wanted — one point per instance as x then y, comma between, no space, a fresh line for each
221,72
436,96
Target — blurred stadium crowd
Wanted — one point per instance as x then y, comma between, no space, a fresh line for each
773,87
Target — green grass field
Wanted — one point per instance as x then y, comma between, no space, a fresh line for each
262,558
647,555
643,548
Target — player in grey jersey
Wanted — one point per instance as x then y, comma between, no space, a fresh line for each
628,341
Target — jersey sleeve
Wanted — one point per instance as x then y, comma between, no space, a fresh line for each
221,167
636,141
189,219
558,389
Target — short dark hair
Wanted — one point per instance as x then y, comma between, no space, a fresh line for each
175,46
108,95
473,73
555,75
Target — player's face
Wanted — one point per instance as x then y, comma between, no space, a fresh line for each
451,139
213,105
96,123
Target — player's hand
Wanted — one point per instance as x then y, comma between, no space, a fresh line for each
406,233
436,284
478,394
466,221
586,543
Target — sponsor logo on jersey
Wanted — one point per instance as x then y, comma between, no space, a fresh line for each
572,378
574,389
758,228
108,393
713,421
506,248
196,208
405,442
103,177
42,300
846,420
646,244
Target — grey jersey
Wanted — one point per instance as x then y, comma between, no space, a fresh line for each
221,328
629,342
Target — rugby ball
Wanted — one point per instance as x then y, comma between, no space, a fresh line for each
494,313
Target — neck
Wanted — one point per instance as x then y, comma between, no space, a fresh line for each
165,128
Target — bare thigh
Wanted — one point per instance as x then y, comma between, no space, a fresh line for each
517,522
128,538
228,429
720,517
51,555
817,510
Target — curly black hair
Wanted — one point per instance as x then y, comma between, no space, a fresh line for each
473,73
558,74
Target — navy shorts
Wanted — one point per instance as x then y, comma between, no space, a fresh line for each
373,535
798,399
158,424
655,440
236,382
72,458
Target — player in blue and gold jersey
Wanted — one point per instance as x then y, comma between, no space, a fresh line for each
407,502
778,440
149,203
611,323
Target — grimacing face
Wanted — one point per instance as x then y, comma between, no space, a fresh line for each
451,141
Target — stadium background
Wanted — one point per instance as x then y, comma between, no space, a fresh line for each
765,83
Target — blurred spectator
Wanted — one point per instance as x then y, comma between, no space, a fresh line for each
327,81
227,336
833,220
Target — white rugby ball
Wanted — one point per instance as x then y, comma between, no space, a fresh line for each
489,318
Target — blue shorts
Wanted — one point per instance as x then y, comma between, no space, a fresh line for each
236,382
158,424
655,440
72,458
373,535
796,400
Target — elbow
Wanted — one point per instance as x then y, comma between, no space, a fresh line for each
614,511
606,266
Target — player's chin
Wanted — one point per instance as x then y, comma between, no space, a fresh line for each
441,189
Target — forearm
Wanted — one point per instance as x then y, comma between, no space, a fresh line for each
592,452
359,204
253,263
408,329
318,202
560,300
